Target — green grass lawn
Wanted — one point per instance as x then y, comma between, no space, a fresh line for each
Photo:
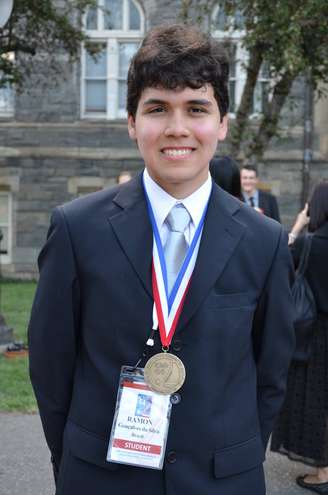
15,388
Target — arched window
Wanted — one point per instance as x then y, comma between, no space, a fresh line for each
116,27
231,31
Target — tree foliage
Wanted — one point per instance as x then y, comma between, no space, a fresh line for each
40,29
291,36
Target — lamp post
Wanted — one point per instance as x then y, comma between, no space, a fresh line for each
308,137
6,333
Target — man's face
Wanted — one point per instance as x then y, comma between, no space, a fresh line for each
177,133
248,180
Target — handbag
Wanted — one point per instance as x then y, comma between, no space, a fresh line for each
305,306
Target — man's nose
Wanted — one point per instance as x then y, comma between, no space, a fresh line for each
176,126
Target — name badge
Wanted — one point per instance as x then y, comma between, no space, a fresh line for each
141,422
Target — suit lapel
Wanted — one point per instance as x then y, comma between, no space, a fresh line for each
133,229
220,237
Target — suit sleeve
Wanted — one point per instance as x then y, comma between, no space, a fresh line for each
53,332
274,338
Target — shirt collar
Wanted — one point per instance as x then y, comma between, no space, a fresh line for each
162,202
255,195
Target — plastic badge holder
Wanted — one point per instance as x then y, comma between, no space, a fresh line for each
141,422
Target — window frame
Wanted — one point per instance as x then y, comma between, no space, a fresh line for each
262,80
111,38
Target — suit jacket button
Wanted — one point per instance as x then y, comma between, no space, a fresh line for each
171,457
175,399
177,345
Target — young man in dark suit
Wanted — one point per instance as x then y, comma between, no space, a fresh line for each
232,332
261,201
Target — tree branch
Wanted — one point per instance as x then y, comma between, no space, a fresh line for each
269,124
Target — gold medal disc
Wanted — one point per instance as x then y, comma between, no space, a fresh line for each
164,373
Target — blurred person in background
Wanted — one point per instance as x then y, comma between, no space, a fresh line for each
261,201
226,174
124,176
301,431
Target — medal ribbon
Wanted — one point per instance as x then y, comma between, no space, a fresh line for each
166,338
168,307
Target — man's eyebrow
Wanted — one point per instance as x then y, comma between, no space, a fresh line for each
154,101
157,101
206,103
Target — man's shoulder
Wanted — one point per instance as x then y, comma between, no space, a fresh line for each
262,234
267,195
258,227
257,221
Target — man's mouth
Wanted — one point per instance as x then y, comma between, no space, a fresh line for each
177,151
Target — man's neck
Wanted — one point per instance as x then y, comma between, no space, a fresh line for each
180,190
250,194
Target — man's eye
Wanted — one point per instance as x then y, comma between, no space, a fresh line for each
197,110
156,110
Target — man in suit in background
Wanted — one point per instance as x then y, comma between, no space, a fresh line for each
261,201
94,307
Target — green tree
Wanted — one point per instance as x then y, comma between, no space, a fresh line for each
40,29
291,37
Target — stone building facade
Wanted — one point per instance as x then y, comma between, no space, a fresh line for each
60,140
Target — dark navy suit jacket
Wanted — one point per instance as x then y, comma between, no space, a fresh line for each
93,313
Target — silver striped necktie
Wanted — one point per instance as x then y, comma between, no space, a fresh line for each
176,247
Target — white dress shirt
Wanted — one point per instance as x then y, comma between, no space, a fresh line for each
162,203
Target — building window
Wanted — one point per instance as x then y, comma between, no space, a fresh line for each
233,78
115,28
262,90
7,101
5,226
230,30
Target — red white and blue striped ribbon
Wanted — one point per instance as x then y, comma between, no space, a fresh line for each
168,307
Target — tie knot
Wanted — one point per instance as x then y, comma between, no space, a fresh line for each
178,219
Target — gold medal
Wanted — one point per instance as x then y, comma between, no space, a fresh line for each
164,373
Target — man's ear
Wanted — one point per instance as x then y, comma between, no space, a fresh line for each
132,127
223,128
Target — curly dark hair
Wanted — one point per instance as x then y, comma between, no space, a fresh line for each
178,56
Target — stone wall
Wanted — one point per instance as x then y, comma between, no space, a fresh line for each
51,164
48,154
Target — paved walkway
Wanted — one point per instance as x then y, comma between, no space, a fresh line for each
25,467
